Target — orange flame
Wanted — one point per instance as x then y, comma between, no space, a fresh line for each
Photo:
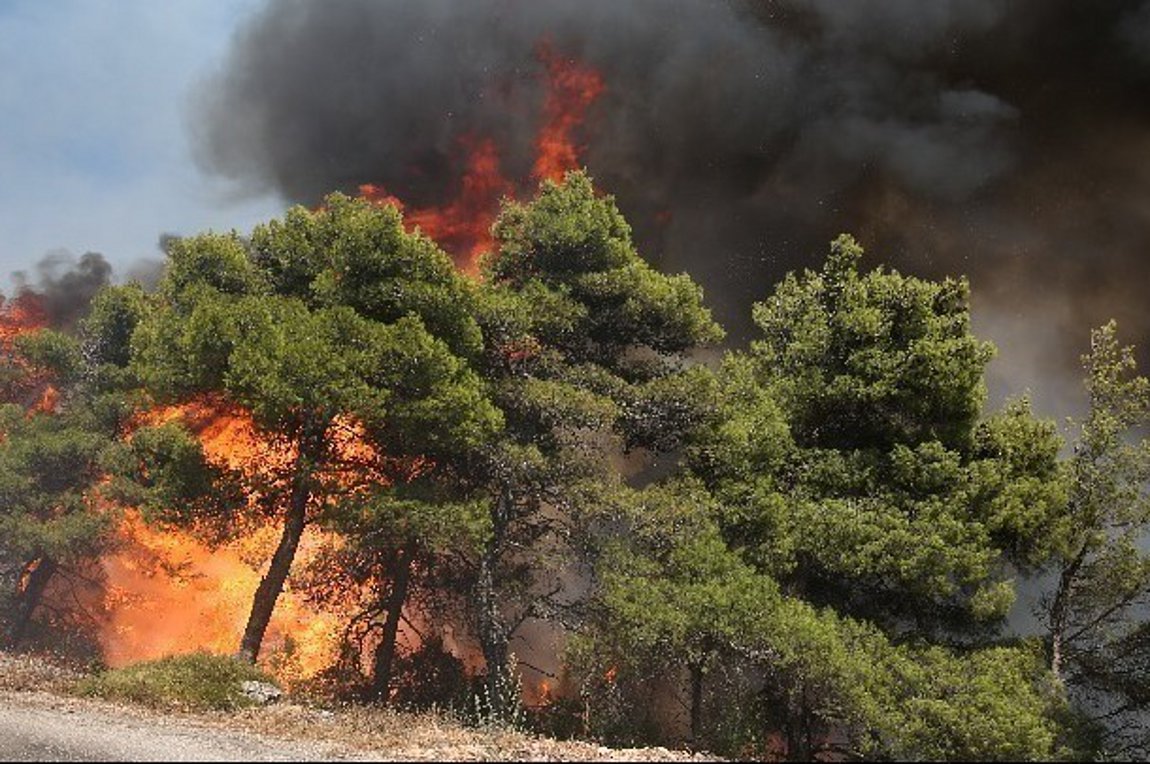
48,402
21,315
30,387
169,594
463,227
26,575
571,90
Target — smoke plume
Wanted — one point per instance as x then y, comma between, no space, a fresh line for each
1002,139
64,286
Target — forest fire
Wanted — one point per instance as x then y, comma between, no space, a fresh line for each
463,226
509,406
168,592
20,315
572,88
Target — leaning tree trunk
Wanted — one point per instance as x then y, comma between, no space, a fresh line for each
397,598
272,584
35,579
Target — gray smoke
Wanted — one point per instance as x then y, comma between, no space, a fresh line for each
65,285
1006,140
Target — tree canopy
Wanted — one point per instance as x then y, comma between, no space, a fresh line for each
854,460
327,316
803,548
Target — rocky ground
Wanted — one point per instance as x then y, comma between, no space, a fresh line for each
41,721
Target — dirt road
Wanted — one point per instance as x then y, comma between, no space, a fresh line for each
41,727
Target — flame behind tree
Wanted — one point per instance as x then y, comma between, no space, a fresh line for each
398,577
49,471
321,318
585,342
572,88
65,468
463,225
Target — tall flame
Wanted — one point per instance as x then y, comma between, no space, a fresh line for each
170,593
463,226
572,88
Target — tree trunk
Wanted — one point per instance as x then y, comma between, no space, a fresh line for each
799,732
493,635
37,574
1060,610
385,651
272,584
696,670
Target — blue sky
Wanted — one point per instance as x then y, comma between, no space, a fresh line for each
94,127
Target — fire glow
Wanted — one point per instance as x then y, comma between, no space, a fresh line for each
463,226
167,591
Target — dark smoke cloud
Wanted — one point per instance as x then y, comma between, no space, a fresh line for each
64,285
1003,139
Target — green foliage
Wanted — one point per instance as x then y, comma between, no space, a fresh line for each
871,360
995,704
48,466
194,682
67,469
326,322
852,510
355,254
573,249
163,471
775,674
850,458
53,352
1096,615
280,326
584,350
52,460
112,319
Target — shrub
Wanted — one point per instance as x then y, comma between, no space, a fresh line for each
195,682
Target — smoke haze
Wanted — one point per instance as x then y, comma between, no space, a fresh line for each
1004,140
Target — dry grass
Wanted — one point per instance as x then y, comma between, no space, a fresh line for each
430,737
26,673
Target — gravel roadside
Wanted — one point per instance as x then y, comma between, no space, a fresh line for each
39,721
43,727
